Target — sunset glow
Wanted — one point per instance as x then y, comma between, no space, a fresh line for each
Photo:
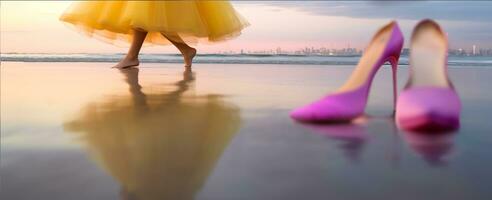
33,27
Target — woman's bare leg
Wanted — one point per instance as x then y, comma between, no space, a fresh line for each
187,51
131,58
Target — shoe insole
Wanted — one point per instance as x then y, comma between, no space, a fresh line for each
428,57
366,63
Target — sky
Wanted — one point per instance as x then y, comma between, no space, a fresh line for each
33,26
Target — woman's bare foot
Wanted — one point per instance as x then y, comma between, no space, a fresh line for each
188,56
126,63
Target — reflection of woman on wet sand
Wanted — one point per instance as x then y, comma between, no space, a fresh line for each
158,146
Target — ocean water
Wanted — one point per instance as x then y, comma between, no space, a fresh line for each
228,59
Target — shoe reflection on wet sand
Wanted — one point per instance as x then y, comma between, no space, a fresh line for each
433,148
157,146
352,135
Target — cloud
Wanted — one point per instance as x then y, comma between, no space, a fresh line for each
476,11
467,22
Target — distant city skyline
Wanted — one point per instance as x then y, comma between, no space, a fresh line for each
475,51
322,51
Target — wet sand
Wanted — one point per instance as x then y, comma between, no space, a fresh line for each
222,131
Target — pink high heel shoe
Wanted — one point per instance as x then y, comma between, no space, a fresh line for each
350,100
429,101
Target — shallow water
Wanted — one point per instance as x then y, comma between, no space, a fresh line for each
347,60
84,131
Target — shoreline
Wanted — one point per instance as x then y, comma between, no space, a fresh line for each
225,59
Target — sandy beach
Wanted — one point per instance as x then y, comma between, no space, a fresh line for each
222,131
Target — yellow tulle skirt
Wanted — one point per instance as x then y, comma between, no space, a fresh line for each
187,21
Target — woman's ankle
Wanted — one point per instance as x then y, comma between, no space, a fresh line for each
130,58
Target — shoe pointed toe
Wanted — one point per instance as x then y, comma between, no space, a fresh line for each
329,109
301,114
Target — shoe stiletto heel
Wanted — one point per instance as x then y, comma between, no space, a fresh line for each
350,100
394,66
429,101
